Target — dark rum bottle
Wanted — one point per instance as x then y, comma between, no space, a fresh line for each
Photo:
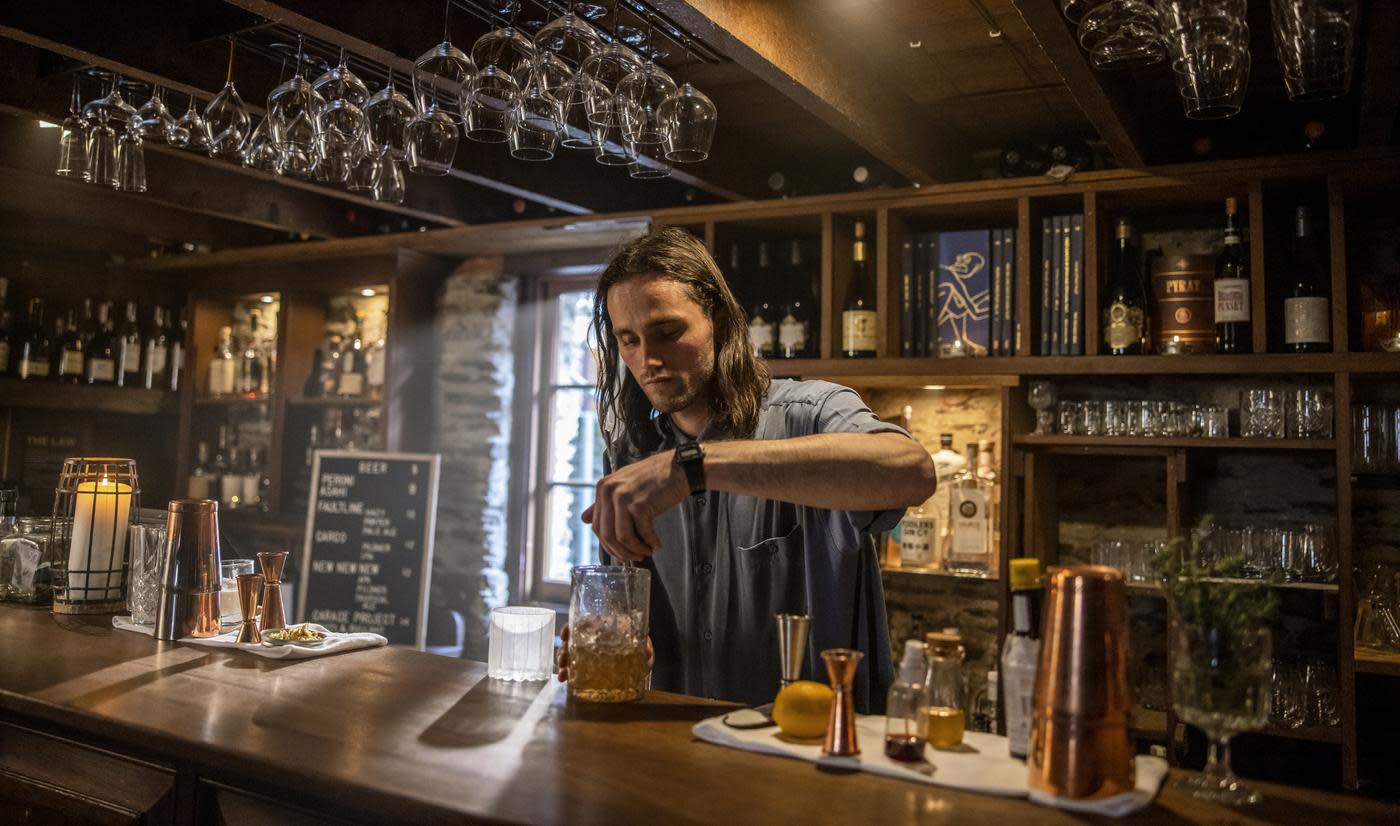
1232,327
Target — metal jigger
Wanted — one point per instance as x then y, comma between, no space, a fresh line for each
1079,746
841,664
248,587
792,645
273,615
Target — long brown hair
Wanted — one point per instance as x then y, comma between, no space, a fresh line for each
740,380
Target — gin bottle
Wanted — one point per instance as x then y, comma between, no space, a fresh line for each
969,521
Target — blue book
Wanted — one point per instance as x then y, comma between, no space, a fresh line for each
1047,280
964,293
906,286
1076,288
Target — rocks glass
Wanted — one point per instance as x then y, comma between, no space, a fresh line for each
146,546
608,616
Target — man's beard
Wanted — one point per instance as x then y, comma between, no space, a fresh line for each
675,402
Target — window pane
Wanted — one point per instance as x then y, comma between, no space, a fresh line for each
573,361
575,442
567,542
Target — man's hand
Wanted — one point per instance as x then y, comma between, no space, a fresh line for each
628,502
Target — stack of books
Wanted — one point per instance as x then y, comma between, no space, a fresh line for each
959,293
1062,286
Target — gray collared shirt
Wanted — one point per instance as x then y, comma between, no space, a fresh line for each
728,564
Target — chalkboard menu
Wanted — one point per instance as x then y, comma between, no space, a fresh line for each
369,543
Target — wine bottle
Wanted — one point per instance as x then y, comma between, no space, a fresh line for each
156,357
129,350
223,367
794,328
761,324
1306,308
101,357
67,363
34,360
1232,327
376,360
351,382
858,319
1125,305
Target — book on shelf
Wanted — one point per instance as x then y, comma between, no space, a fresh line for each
958,293
1076,270
906,285
1047,281
997,295
1062,286
963,297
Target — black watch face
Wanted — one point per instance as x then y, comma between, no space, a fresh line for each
689,453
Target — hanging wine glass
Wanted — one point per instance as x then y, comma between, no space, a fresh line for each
388,114
366,169
691,118
258,152
577,98
102,156
291,117
641,95
191,131
341,123
73,141
156,120
539,118
389,185
431,142
608,68
440,76
508,49
490,104
570,38
610,144
648,166
131,162
227,118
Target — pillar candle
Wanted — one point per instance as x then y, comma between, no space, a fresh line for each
100,521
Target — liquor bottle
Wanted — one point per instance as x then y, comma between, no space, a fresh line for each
33,359
1020,653
6,328
762,330
858,321
987,470
918,538
200,484
70,359
794,329
251,495
156,358
947,463
223,367
969,521
943,690
177,352
249,371
351,382
1232,328
129,350
88,327
1306,308
376,360
1125,306
311,388
906,727
330,365
101,357
227,486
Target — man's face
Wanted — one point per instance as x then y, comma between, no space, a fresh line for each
665,338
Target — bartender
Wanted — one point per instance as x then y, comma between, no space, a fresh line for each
745,496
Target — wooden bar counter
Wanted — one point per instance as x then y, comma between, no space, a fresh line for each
100,725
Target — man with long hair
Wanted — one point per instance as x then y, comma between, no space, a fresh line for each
745,496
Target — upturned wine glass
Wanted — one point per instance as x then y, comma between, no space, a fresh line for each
490,103
641,95
570,37
191,131
691,118
577,98
506,48
131,162
340,124
73,141
431,141
1041,397
439,77
227,122
388,114
156,120
366,169
389,185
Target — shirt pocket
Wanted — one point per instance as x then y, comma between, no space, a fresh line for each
771,577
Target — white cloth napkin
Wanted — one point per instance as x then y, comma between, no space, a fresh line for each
982,765
335,642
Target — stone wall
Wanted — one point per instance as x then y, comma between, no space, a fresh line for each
474,326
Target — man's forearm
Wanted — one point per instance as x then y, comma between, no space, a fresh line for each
838,471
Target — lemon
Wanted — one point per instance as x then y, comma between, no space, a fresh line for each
801,709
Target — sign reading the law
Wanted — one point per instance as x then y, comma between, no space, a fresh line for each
368,551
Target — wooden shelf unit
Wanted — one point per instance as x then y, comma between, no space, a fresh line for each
51,395
1385,663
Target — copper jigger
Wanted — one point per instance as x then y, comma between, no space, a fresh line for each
792,645
841,664
189,587
248,587
1079,746
271,563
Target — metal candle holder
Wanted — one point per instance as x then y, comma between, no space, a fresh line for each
94,506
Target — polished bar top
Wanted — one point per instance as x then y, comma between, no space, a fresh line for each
397,735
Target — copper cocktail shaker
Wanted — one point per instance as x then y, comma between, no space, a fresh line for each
792,645
273,614
189,586
1079,745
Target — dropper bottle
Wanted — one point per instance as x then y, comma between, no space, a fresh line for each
904,709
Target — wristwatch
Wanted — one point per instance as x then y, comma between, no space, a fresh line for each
691,459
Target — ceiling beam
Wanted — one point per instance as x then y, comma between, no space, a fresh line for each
781,44
1048,26
1379,70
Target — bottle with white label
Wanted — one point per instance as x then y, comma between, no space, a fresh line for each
969,540
918,538
1306,309
1020,654
155,360
858,319
947,464
763,329
200,484
1232,328
129,350
794,327
223,367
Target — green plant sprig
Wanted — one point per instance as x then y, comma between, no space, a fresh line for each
1198,601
